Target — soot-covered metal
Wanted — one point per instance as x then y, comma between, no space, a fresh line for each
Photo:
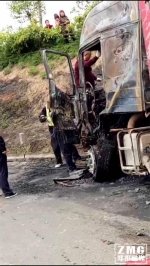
116,24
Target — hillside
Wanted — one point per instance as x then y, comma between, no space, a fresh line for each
23,93
22,96
23,84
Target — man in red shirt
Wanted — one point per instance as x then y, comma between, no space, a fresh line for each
88,62
47,25
97,102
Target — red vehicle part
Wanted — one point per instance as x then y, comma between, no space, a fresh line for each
144,7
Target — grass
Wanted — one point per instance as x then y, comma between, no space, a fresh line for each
4,122
32,60
21,65
13,109
43,75
71,49
33,71
7,70
35,59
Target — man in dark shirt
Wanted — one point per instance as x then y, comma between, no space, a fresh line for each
88,62
64,22
69,150
4,185
47,25
43,117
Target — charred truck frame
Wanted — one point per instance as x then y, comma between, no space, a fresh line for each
117,135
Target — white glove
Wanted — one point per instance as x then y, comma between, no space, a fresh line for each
97,54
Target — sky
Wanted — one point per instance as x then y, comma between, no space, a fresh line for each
52,7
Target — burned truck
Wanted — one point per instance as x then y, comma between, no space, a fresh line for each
116,134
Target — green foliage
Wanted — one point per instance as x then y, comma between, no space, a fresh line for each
79,19
21,65
43,75
33,71
26,10
7,71
4,122
26,40
31,59
84,6
22,47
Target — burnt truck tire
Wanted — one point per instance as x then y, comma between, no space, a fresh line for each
107,162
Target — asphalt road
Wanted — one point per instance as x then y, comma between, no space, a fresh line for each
78,223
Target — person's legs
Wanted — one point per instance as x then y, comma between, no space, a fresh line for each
75,153
78,160
65,35
4,177
66,38
66,151
68,157
55,147
71,33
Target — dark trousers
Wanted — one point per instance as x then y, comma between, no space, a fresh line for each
75,154
68,150
55,146
4,185
66,34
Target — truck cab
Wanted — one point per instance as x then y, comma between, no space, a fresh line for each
117,133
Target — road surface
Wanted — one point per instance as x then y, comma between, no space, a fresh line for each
51,224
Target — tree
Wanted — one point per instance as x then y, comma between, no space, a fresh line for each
27,10
82,6
40,11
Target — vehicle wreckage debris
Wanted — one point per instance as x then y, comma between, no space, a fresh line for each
73,177
66,178
66,181
65,184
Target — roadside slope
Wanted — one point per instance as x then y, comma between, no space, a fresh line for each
23,93
22,97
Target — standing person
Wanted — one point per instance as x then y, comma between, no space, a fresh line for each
88,62
4,185
43,117
96,103
56,143
48,25
64,23
57,21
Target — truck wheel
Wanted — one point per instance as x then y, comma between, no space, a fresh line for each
105,164
92,160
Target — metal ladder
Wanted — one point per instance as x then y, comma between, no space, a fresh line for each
125,169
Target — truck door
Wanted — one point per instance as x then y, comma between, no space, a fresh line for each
62,86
